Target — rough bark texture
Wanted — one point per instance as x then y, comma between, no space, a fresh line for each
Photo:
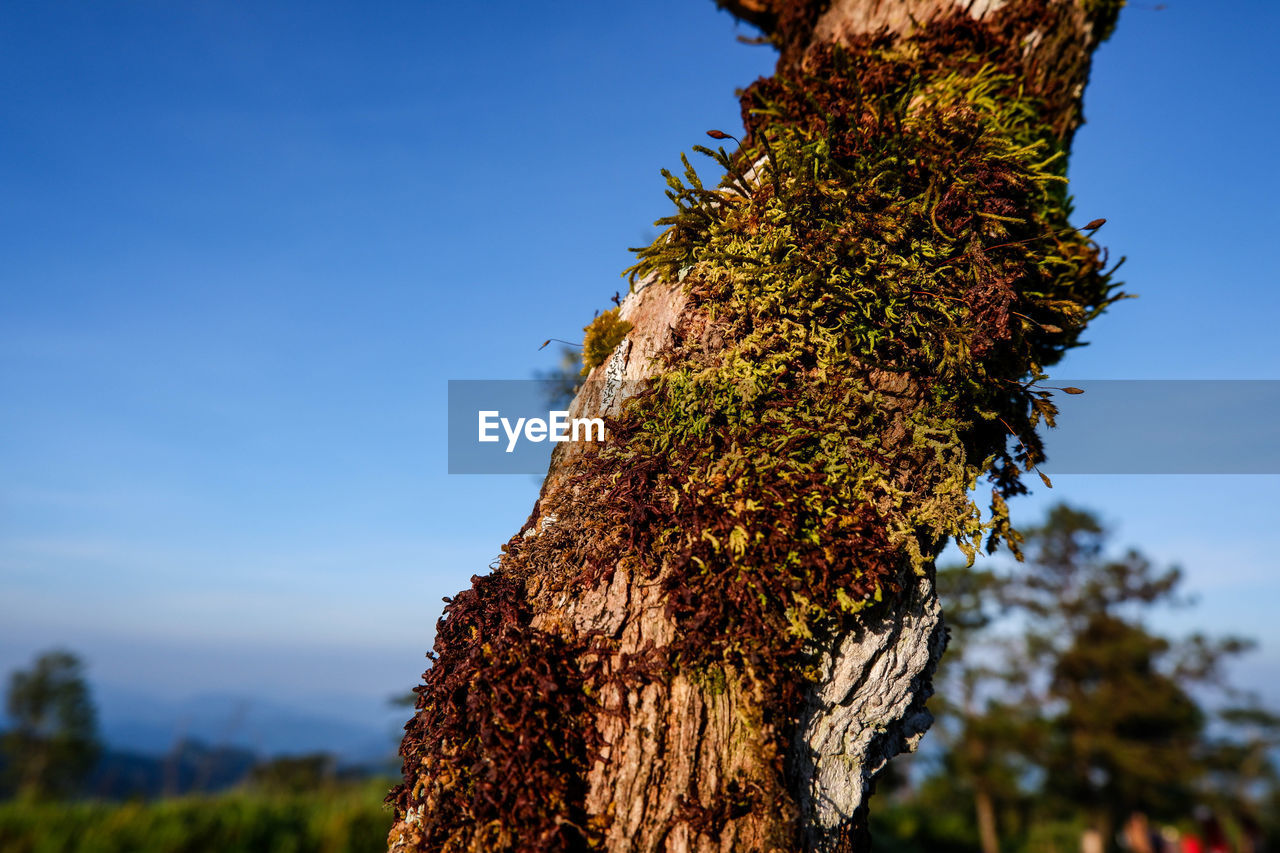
595,692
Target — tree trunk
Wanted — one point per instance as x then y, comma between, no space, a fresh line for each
985,807
716,629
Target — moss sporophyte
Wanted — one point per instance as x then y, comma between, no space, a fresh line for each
872,293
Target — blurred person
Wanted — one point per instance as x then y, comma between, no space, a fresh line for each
1138,835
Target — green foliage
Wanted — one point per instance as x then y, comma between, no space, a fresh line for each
1058,702
341,821
295,774
1128,732
1240,757
603,333
52,741
917,828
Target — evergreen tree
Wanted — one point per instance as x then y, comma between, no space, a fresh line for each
1059,701
52,740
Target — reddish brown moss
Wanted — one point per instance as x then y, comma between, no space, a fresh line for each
501,734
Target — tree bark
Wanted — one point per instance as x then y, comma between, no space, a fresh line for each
985,808
712,635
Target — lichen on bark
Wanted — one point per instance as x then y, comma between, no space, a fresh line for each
716,628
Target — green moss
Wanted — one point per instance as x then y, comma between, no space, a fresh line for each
712,678
951,272
869,319
603,334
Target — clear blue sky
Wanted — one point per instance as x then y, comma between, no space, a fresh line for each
245,245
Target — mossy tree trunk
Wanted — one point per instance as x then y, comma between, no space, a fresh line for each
715,629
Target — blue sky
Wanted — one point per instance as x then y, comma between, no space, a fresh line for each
245,246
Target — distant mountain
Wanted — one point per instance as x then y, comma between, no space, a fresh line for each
135,723
189,767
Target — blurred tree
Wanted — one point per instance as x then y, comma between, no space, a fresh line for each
986,730
1126,738
295,774
1126,731
1240,761
1057,698
53,739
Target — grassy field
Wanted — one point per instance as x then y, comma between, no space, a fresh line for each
344,820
